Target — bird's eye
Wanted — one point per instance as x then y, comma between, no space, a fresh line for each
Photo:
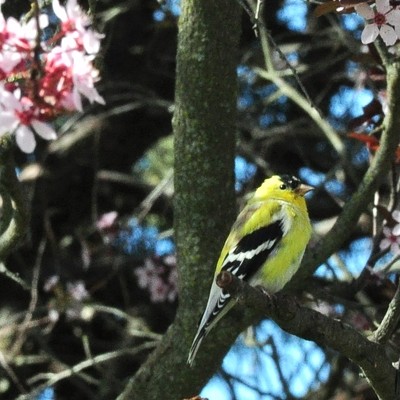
283,187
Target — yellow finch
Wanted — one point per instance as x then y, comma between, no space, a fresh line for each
266,245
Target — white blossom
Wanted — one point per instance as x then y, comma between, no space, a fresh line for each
383,20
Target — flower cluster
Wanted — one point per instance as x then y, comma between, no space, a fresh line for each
41,79
391,235
159,277
69,298
383,19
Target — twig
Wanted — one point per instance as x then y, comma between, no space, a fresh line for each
260,4
6,208
121,314
146,205
11,373
36,67
247,9
275,356
14,277
89,355
119,178
387,267
266,38
32,305
259,7
304,104
10,190
383,52
390,321
52,379
95,186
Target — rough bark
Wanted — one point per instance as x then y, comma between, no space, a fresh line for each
204,128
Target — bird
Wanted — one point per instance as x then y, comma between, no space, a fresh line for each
265,245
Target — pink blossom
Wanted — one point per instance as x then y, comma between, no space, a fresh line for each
84,76
65,72
20,116
107,221
108,225
391,238
146,273
159,279
384,20
173,282
17,40
158,290
51,283
390,241
77,290
71,16
68,75
13,47
57,82
396,217
27,32
74,25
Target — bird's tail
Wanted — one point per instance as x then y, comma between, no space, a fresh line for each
218,305
200,335
207,321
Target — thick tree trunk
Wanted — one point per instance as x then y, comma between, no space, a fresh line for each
204,127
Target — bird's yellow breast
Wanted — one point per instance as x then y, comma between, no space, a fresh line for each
285,260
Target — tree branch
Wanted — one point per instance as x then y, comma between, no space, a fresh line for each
312,325
15,212
390,321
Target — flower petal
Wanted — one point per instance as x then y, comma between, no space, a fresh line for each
384,244
396,215
383,6
364,10
60,11
387,231
370,33
396,230
25,139
44,130
8,122
388,35
393,17
395,249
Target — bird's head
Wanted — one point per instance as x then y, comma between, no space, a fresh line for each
284,187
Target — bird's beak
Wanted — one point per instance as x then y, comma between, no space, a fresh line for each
303,189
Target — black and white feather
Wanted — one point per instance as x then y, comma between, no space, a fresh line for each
243,261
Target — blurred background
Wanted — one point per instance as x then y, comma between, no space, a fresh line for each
97,272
